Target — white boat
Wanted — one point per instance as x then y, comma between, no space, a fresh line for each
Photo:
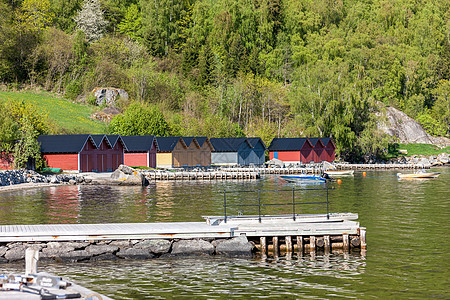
339,172
417,175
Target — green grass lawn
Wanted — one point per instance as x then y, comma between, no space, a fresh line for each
417,149
70,117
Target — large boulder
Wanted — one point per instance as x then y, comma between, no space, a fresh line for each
192,247
108,95
237,246
132,253
125,175
155,246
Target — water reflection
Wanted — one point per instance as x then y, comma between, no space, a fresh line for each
213,277
407,226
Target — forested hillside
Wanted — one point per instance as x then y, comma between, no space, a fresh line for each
241,67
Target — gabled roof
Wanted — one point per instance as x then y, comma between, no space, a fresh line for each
98,139
315,140
228,144
255,140
325,141
69,143
167,144
201,140
189,140
139,143
288,144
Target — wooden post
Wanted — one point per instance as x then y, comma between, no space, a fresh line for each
326,240
31,261
362,236
312,243
288,244
263,242
300,245
345,242
276,248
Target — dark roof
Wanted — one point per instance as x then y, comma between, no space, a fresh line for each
287,144
188,140
325,141
138,143
167,144
63,143
201,140
113,139
228,144
255,140
98,139
315,140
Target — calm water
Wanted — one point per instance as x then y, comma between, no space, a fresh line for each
407,234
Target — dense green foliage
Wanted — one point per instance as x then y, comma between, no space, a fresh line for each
20,124
231,67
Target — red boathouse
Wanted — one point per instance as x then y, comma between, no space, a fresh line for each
140,150
291,150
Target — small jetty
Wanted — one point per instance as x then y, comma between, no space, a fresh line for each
249,234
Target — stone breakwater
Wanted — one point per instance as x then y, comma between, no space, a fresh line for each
14,177
127,249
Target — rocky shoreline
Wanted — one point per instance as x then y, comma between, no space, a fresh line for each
79,251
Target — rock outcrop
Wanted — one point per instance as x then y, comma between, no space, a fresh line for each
406,129
124,175
399,125
108,95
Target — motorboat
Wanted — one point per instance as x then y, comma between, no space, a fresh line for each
420,174
339,172
303,178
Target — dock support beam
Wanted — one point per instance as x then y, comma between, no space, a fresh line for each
276,247
326,240
312,243
300,245
345,242
288,244
31,261
263,241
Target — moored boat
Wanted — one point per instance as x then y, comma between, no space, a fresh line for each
303,178
339,172
418,175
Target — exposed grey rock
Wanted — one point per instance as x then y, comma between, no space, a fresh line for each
101,249
15,253
155,246
57,251
108,95
77,255
237,246
120,244
192,247
125,175
3,250
106,256
133,253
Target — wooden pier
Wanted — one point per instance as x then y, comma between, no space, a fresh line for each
307,233
203,175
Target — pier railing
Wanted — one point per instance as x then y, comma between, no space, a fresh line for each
294,203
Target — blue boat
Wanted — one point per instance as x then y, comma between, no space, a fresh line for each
303,178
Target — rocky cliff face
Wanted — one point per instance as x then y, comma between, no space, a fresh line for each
399,125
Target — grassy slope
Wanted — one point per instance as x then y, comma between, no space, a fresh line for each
423,149
71,117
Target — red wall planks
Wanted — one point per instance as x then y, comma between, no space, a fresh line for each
136,159
66,161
